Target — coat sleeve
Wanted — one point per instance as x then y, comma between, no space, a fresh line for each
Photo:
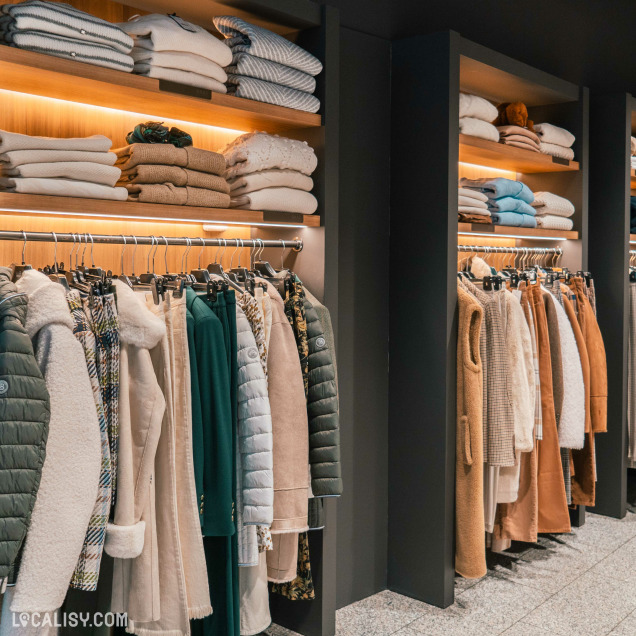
322,411
254,430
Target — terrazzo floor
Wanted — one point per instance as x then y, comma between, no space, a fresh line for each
582,584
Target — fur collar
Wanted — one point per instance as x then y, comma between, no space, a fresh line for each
47,302
138,326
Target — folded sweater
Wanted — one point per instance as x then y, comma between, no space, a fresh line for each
510,204
478,128
168,194
277,199
180,77
465,217
549,203
180,61
16,158
251,66
551,134
154,173
471,209
472,194
552,222
508,130
244,37
270,179
56,18
499,187
557,151
168,155
472,202
157,32
260,91
76,170
15,141
67,48
521,142
258,151
476,107
62,188
513,219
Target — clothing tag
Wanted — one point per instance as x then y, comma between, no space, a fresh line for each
186,26
320,343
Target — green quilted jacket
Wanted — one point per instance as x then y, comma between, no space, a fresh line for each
323,411
24,426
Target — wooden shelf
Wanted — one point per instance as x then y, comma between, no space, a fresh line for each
517,232
33,204
48,76
495,155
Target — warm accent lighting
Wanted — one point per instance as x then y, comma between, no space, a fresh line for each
215,228
488,168
514,236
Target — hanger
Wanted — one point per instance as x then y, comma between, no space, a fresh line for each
122,277
217,267
243,274
18,270
56,277
201,275
150,280
263,268
174,282
94,272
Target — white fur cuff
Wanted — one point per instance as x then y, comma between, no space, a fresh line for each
125,542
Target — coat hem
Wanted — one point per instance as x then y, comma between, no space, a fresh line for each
200,612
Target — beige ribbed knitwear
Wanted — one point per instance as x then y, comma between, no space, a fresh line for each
169,194
169,155
151,173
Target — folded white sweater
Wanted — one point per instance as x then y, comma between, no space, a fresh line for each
472,202
557,151
62,188
181,77
15,141
270,179
551,134
472,194
477,108
478,128
77,170
551,222
16,158
179,61
278,200
549,203
157,32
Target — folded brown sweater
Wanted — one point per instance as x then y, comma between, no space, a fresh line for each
526,145
151,173
473,218
169,155
169,194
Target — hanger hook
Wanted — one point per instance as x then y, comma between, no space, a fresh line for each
70,253
165,254
92,259
223,252
201,252
24,247
122,254
187,252
282,255
240,252
154,253
55,252
234,252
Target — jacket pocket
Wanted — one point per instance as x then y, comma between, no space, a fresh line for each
464,441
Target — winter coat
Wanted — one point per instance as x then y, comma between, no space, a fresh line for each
70,475
24,417
322,411
255,479
132,536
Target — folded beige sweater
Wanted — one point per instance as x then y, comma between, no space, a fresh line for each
169,194
77,170
507,131
278,200
270,179
15,141
169,155
154,173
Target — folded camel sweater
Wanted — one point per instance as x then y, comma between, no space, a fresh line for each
521,142
551,134
549,203
168,155
278,200
465,217
180,77
260,91
56,18
518,131
557,151
16,158
552,222
62,188
243,37
153,173
179,61
258,151
77,170
10,141
271,179
478,128
169,194
268,71
476,107
157,32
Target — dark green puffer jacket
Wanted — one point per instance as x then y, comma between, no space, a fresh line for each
24,426
323,411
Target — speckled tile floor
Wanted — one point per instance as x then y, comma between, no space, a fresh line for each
582,584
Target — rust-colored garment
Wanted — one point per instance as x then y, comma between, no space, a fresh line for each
464,217
169,194
470,552
152,173
553,505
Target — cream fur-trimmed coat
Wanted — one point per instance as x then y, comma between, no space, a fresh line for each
70,475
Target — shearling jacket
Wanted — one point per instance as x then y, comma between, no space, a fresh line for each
322,411
70,475
24,425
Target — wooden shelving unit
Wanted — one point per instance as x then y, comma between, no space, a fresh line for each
47,76
495,155
517,232
41,204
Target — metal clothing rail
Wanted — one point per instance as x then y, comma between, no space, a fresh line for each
121,239
509,250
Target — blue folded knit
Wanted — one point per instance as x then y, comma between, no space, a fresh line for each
510,204
499,187
513,219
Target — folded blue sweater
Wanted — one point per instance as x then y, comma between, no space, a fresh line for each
499,187
513,219
510,204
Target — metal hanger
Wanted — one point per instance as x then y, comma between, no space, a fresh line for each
56,277
217,267
201,275
122,277
18,270
263,268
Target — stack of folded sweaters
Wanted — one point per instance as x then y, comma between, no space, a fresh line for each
268,68
553,211
473,206
61,30
80,167
508,200
271,173
171,49
475,117
519,137
555,141
163,173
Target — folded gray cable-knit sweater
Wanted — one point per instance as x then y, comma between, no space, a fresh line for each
269,93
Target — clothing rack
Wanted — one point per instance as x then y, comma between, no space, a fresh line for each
121,239
509,250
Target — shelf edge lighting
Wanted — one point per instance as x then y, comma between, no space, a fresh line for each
515,236
474,165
